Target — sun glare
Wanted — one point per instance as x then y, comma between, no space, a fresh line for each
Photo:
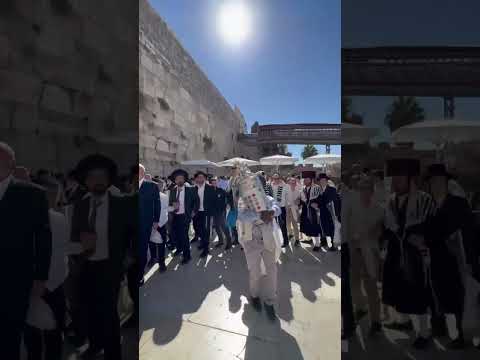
234,22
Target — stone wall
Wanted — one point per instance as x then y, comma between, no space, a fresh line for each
182,116
68,80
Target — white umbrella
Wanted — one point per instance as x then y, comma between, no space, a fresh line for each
357,134
278,160
323,159
200,163
439,132
231,162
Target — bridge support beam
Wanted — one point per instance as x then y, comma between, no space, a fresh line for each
448,107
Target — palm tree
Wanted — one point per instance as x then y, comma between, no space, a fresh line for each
404,110
309,150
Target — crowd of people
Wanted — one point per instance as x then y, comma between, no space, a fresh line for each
72,242
407,250
180,211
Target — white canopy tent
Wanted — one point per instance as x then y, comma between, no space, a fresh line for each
278,160
200,164
439,132
323,160
357,134
231,162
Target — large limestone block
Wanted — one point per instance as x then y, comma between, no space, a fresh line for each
57,99
100,112
5,115
162,146
19,87
148,141
58,36
4,50
25,118
79,72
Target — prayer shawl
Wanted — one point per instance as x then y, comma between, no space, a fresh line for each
407,285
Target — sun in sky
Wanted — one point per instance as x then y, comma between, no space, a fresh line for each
234,22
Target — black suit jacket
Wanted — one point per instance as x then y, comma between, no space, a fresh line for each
149,207
121,226
25,242
220,201
209,199
192,201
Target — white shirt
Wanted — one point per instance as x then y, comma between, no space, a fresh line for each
201,194
140,183
292,196
156,237
101,228
4,185
114,190
181,200
58,264
164,209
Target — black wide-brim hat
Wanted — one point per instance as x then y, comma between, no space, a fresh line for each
437,170
179,172
200,173
322,176
308,174
96,162
403,167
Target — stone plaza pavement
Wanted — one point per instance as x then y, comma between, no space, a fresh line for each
395,345
200,311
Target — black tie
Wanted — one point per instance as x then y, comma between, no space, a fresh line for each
93,216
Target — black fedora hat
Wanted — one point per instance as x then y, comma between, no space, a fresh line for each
403,167
200,172
179,172
322,176
307,174
437,170
96,162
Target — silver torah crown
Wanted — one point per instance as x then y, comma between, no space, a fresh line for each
251,190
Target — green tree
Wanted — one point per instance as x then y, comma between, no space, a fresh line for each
348,116
309,150
254,128
273,149
404,110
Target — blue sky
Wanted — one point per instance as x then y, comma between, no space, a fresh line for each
287,70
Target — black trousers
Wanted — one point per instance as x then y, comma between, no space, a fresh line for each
157,251
282,222
220,223
50,341
73,291
346,303
13,315
100,289
132,282
201,225
180,224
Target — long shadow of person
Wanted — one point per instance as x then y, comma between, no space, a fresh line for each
267,340
168,299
